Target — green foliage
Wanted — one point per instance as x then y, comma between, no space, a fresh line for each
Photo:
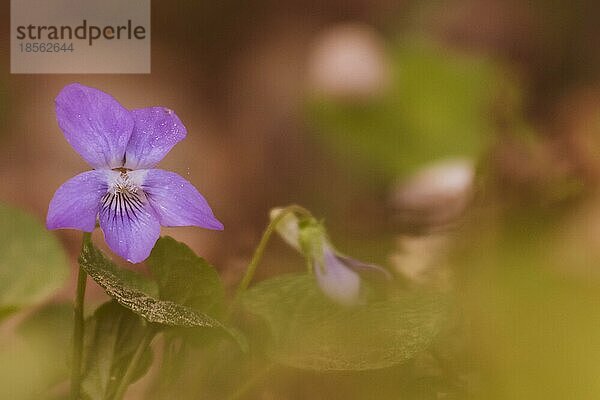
189,280
113,335
33,264
437,106
33,361
311,332
127,293
185,278
126,287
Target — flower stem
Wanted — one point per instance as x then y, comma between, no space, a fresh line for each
78,328
258,253
133,364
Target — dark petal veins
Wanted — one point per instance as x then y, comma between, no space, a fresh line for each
130,226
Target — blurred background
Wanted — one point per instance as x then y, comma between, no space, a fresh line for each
456,143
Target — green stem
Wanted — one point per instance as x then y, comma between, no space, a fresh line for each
78,328
258,253
133,364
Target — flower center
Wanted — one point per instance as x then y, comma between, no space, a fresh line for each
124,198
124,184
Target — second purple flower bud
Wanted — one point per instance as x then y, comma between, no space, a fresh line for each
338,276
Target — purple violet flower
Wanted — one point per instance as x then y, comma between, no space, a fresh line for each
338,276
336,279
124,191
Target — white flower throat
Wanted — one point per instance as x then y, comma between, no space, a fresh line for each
125,197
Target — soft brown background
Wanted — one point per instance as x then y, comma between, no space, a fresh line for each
237,74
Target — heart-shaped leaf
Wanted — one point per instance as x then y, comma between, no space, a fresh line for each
311,332
111,278
185,278
33,264
104,273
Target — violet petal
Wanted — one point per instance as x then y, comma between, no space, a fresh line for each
156,130
95,124
335,279
75,204
130,230
176,201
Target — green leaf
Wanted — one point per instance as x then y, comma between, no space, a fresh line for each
127,293
112,279
185,278
33,360
189,280
113,334
437,107
311,332
131,279
33,264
